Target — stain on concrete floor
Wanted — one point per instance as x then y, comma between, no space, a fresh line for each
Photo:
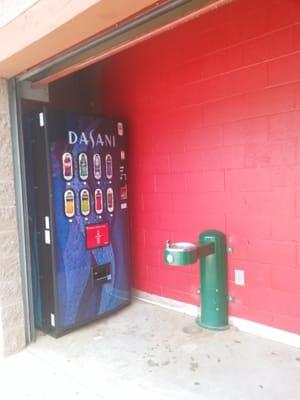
152,353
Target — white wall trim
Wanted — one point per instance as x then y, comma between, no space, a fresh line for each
267,332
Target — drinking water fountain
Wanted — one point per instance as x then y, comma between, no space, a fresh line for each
211,250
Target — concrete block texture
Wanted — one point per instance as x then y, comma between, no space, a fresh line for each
214,127
13,340
12,332
8,218
3,96
8,243
6,170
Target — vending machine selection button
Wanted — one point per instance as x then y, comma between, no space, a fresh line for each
98,201
83,166
85,202
67,164
97,166
108,166
110,200
69,198
97,235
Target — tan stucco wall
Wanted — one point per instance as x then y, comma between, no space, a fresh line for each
12,336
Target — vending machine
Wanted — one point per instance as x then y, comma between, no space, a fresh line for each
76,168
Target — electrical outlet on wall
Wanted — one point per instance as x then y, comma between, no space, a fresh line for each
239,277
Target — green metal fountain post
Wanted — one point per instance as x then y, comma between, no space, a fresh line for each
212,251
213,272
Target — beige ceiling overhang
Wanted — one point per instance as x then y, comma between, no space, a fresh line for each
45,43
51,27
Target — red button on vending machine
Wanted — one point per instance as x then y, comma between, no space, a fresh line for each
96,236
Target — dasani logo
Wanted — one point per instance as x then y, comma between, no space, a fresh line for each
93,138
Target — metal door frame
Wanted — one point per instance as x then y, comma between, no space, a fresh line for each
21,207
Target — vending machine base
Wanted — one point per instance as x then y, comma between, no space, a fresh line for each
76,169
59,333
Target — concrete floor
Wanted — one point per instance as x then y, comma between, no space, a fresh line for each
147,352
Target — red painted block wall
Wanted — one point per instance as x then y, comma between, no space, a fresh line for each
213,114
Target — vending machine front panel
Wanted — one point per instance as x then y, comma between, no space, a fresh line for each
88,260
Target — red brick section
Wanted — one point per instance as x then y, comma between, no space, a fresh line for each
213,112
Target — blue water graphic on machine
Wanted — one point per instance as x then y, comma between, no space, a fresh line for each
85,233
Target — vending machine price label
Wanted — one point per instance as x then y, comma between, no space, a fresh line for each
123,192
120,129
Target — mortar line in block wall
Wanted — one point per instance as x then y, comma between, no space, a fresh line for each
247,41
